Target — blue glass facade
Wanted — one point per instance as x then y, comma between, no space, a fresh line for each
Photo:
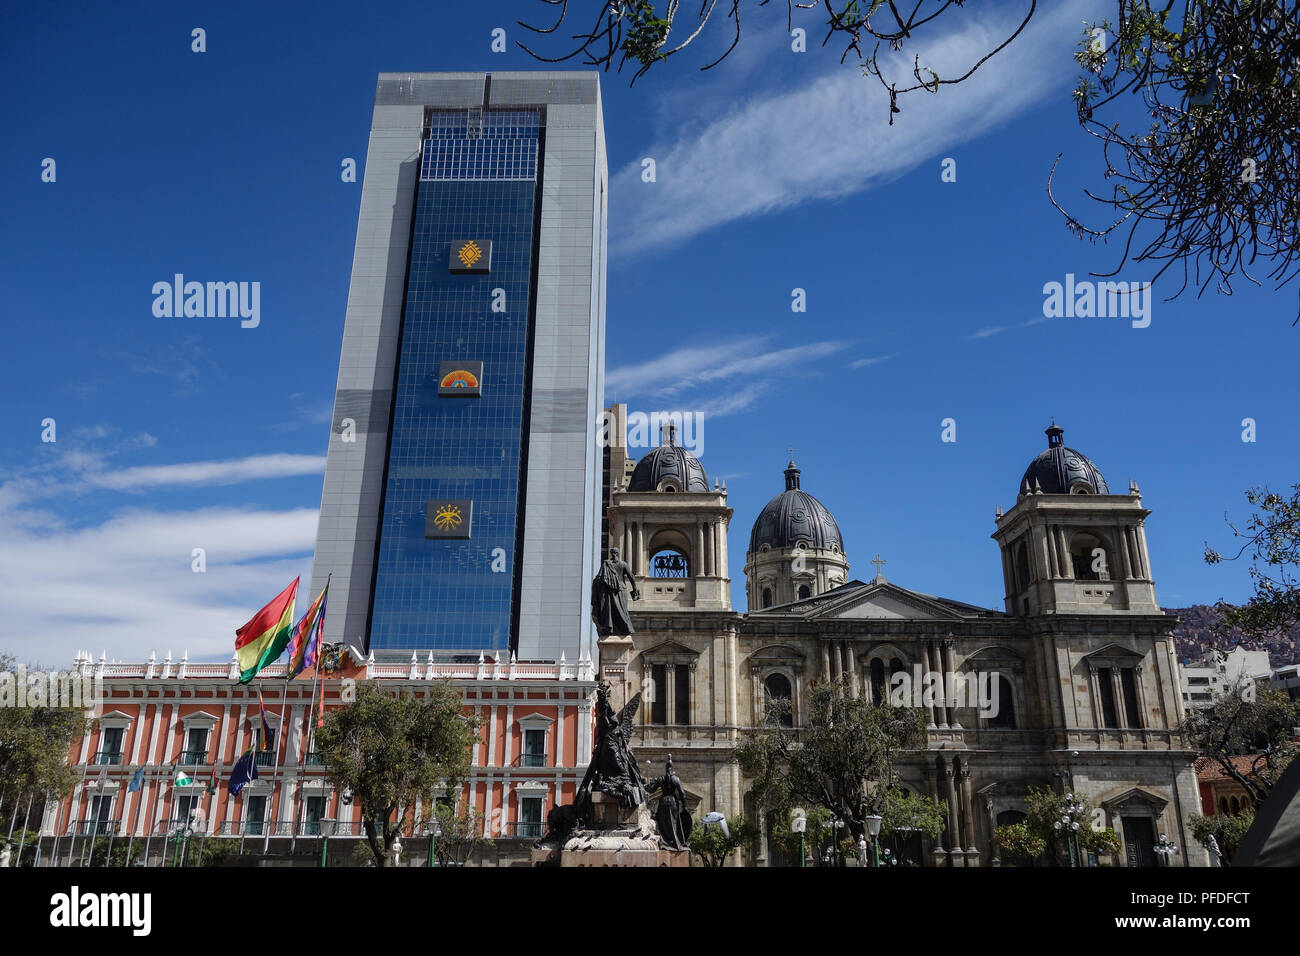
478,181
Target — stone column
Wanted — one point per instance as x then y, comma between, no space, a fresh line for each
948,669
837,663
723,556
1121,709
639,566
968,802
950,795
850,669
826,660
1142,552
699,551
1065,554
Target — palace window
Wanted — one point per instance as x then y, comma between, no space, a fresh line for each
1005,718
1090,557
804,592
767,597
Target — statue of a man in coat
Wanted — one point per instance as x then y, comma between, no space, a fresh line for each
609,596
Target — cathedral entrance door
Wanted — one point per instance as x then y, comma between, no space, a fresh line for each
1139,840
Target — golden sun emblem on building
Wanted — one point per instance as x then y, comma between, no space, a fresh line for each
447,517
470,253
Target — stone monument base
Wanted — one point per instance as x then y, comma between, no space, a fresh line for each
617,837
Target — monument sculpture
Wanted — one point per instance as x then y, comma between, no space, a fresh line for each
671,816
608,823
609,596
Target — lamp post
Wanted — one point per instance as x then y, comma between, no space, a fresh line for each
434,831
834,824
873,828
798,824
1070,812
1166,848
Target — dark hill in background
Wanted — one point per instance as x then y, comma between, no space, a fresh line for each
1195,635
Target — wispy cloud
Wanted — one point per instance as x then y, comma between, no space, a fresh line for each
687,367
986,333
234,471
875,360
827,138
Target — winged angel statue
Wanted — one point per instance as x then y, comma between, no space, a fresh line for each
613,768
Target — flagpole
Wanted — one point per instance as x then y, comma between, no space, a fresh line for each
275,770
309,735
72,809
148,833
130,836
22,841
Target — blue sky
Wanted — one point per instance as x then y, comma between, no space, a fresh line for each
774,171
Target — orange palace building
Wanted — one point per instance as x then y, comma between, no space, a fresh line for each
534,745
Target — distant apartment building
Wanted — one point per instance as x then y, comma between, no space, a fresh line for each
1219,671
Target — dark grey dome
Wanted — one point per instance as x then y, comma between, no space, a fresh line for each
1061,470
794,516
669,461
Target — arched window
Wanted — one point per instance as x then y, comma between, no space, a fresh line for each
1090,557
669,563
767,597
1236,806
778,688
1223,805
804,592
1005,716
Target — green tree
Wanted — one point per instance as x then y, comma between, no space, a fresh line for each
1247,731
1045,821
1019,844
1228,829
459,834
34,747
713,847
842,761
391,751
1270,539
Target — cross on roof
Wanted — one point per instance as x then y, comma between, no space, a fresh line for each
879,562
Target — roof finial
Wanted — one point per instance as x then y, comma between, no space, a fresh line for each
791,477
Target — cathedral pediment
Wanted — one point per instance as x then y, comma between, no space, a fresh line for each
881,600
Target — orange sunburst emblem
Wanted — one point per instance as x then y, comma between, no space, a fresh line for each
470,253
447,517
461,378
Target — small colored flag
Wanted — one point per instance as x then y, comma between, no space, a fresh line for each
244,771
305,642
102,782
212,783
266,728
264,638
136,782
183,779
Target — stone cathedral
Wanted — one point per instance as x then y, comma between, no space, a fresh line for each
1084,671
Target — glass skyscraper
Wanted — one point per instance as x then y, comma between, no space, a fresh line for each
461,507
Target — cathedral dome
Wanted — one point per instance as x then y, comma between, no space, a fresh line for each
1062,471
672,462
794,516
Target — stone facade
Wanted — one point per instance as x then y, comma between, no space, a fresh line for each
1078,676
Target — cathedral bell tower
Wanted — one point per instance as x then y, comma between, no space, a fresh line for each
1069,546
670,526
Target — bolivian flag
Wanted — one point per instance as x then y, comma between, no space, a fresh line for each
263,639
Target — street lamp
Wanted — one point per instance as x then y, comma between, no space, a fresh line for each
833,851
1070,811
434,830
873,828
798,824
1166,848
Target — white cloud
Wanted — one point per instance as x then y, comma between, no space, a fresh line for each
828,138
228,472
986,333
691,366
127,585
876,360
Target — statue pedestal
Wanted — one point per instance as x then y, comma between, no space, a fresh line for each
615,654
617,837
